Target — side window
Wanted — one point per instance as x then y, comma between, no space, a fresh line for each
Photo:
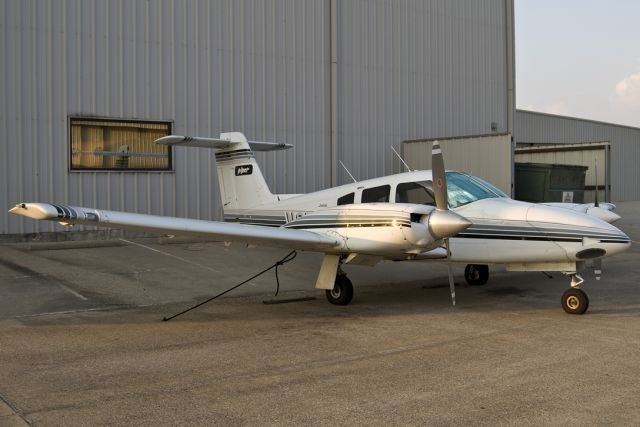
347,199
414,192
376,194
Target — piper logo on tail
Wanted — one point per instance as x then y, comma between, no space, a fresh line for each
244,170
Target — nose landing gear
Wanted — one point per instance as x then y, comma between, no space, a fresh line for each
575,300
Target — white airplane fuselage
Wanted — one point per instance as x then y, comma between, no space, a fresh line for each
520,234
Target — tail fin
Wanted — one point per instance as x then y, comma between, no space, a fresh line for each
242,185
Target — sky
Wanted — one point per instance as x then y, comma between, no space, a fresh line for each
579,58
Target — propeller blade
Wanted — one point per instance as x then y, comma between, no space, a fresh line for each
439,178
452,286
443,223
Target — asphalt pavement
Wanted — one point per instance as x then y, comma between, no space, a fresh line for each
82,341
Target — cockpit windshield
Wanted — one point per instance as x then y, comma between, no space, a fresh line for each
463,189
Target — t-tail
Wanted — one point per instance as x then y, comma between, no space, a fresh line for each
242,185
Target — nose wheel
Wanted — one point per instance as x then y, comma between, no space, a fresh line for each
575,300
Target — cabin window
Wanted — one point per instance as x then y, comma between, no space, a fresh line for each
347,199
376,194
122,145
414,192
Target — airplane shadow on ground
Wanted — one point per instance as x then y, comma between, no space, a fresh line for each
397,300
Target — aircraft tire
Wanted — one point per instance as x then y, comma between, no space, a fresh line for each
575,301
342,292
476,274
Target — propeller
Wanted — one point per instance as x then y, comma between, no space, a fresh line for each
444,223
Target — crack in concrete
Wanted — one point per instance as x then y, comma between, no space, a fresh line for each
14,409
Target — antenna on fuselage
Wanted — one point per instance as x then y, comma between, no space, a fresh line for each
596,204
401,159
347,170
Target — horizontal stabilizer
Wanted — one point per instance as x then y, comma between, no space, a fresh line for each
217,143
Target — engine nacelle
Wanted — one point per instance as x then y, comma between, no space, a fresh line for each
384,228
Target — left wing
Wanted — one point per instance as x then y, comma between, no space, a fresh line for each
213,230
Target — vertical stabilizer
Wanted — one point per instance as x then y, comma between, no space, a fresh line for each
242,185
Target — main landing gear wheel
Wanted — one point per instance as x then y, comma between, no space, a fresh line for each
342,292
575,301
476,274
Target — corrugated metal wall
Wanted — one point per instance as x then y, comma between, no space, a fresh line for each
404,70
415,69
532,127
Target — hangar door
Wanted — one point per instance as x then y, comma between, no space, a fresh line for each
595,155
486,156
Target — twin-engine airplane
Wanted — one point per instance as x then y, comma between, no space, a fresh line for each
420,215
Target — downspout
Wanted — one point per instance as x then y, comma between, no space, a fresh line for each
333,84
607,172
511,79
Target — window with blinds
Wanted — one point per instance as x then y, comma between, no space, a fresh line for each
123,145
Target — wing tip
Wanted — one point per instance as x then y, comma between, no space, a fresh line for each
35,210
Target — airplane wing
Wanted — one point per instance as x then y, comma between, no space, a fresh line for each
212,230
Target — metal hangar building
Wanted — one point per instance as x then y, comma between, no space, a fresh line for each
342,81
86,86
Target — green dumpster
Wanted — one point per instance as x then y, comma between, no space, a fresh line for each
540,182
